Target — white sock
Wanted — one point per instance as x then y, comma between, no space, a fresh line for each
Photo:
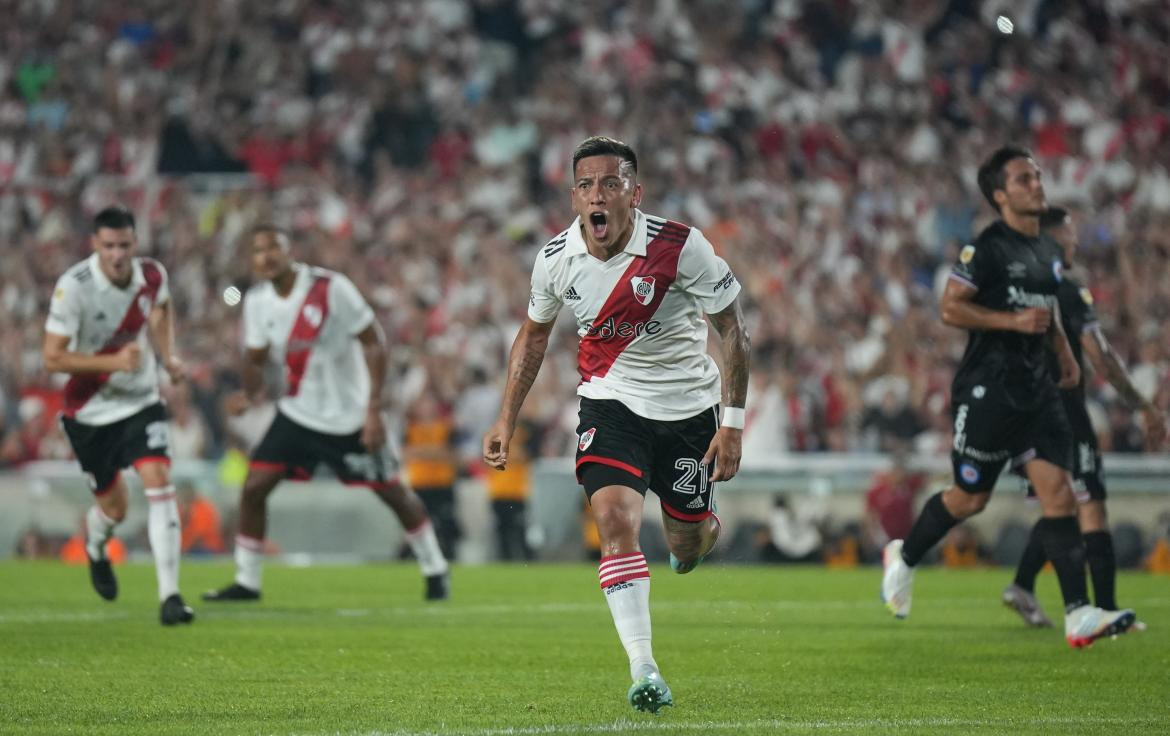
249,557
162,526
425,546
626,582
98,530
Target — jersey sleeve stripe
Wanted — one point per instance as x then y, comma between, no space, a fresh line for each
961,280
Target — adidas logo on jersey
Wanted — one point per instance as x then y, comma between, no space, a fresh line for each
571,295
697,503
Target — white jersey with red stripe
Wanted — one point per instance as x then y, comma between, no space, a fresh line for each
100,318
639,314
313,332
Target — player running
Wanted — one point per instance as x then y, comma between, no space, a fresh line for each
317,325
1080,323
1006,406
105,313
638,287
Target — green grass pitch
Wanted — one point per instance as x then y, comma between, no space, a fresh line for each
532,650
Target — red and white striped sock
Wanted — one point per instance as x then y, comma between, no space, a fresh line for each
249,556
625,579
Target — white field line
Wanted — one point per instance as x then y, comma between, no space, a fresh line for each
770,726
252,611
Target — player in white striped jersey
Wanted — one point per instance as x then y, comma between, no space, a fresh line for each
317,325
105,312
639,287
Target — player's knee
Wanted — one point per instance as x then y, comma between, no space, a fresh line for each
962,504
614,522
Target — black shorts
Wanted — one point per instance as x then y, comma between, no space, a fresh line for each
1088,480
989,432
104,449
617,447
296,451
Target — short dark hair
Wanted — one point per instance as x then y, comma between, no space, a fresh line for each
114,217
268,227
1053,217
600,145
991,171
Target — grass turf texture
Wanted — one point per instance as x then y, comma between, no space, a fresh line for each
532,650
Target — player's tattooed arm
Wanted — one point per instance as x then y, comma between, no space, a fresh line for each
523,364
1108,363
736,352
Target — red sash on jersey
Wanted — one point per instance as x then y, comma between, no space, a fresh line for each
305,331
81,387
634,300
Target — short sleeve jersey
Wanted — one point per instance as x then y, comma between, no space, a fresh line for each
643,337
100,317
312,332
1011,271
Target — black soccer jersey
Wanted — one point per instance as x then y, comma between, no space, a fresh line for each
1011,271
1076,315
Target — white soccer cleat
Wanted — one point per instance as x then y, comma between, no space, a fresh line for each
1024,603
1087,624
897,580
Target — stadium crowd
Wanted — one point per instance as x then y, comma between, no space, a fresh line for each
828,149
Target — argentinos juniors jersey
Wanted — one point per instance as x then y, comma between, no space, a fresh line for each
313,332
639,314
100,318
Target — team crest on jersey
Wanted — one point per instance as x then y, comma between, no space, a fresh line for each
312,315
1086,296
1057,270
969,473
966,254
643,288
586,439
144,305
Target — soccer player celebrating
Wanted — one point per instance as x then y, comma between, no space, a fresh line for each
638,287
1005,403
105,313
317,325
1086,339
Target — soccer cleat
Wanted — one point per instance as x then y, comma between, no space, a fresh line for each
897,580
438,587
175,611
650,693
233,592
101,574
1136,626
1087,624
1024,603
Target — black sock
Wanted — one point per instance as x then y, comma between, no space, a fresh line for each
1102,568
932,525
1063,545
1032,560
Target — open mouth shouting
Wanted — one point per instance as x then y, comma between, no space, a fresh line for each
599,225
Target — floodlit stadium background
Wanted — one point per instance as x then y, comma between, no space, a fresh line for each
828,149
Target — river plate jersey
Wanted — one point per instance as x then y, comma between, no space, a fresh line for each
640,315
312,333
100,318
1010,271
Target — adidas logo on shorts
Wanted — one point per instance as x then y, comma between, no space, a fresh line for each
698,503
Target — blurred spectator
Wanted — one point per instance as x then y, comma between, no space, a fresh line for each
202,527
827,149
794,532
962,547
432,466
508,490
890,506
